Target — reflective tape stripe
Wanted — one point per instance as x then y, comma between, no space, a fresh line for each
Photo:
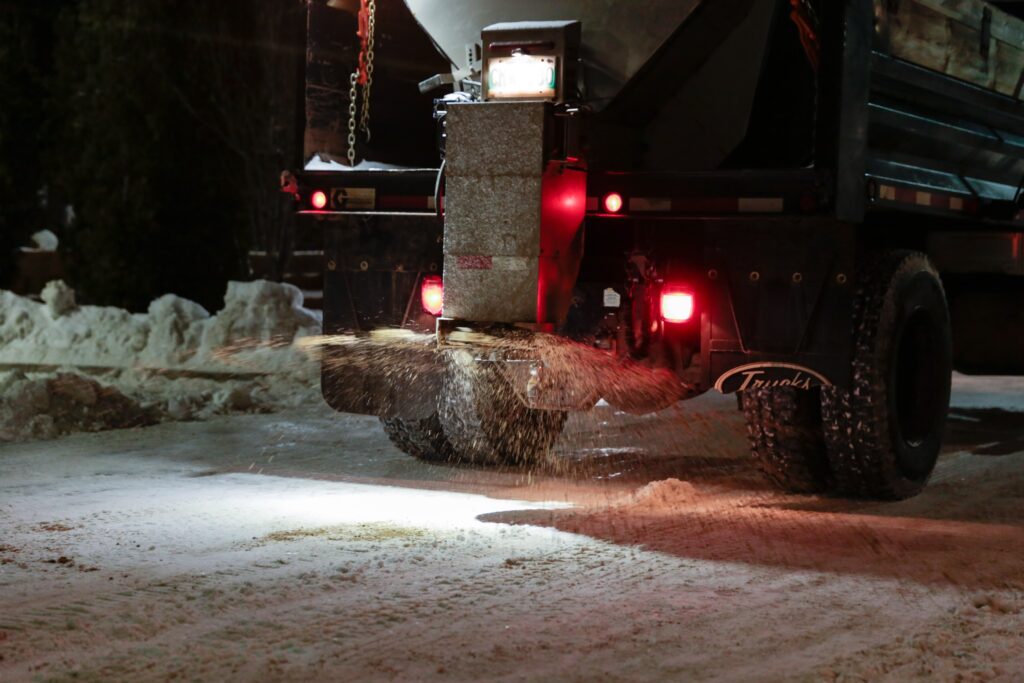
648,204
714,205
933,200
760,205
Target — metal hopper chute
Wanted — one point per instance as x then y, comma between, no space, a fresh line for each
619,37
680,75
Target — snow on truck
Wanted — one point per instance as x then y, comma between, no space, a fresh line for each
816,204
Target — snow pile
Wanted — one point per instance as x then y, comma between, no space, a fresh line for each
665,494
173,333
44,240
43,408
65,367
59,298
978,392
322,163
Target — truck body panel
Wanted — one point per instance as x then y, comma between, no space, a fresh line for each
759,150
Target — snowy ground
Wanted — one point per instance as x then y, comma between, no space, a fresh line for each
301,546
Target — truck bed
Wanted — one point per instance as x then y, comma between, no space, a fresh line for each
945,124
969,40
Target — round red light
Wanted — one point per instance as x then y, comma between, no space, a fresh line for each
318,200
432,295
676,305
613,202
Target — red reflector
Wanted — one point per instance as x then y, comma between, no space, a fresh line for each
432,295
318,200
613,202
676,305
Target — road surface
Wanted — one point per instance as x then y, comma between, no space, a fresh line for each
302,546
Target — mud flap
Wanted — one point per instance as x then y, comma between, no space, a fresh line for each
778,311
387,374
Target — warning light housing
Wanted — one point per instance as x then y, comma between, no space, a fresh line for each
677,304
318,200
432,295
613,202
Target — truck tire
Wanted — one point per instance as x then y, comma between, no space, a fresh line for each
485,421
787,439
885,432
422,439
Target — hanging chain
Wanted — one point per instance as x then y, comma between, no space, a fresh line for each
364,122
362,76
352,95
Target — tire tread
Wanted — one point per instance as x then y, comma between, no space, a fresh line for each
487,424
856,421
423,439
786,438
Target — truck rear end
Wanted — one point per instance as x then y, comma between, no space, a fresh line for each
775,198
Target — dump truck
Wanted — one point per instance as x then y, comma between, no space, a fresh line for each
530,207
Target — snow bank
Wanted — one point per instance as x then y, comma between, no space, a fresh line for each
65,367
974,392
44,240
174,333
665,494
43,408
318,163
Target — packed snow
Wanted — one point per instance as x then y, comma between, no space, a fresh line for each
44,240
65,367
301,546
321,163
982,392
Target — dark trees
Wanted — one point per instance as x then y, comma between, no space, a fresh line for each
25,39
164,124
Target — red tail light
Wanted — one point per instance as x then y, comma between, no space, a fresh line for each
432,295
613,202
677,305
318,200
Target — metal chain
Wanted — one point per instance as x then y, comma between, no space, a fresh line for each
355,117
352,95
364,121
